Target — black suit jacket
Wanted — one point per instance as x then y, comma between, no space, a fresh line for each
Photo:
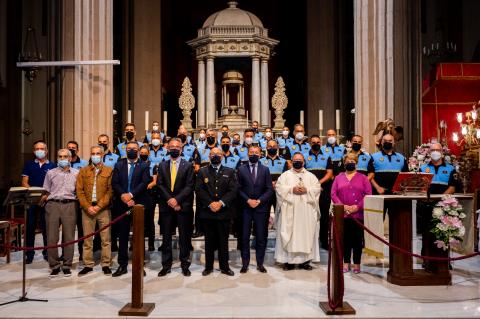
262,189
138,186
183,189
212,187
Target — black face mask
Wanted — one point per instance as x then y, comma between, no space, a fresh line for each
316,147
272,151
236,142
182,137
74,152
253,159
105,146
174,153
210,140
255,129
350,167
297,164
387,146
215,159
225,147
132,154
144,158
224,133
129,135
356,146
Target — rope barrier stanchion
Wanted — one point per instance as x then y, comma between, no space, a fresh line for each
137,307
335,304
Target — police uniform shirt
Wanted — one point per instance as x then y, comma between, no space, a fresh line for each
148,137
188,152
276,165
204,153
200,143
386,168
79,163
336,153
110,159
296,147
318,164
284,142
242,152
231,161
362,165
443,178
264,142
258,137
122,148
157,156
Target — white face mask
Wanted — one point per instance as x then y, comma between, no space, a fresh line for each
202,136
332,140
155,127
268,134
155,142
248,140
299,136
285,133
435,155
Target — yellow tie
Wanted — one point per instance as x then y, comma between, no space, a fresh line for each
173,175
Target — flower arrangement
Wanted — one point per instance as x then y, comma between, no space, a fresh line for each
447,225
421,156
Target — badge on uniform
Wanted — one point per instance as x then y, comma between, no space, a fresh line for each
110,159
398,160
381,159
123,147
294,147
327,150
205,180
427,170
242,149
445,172
309,158
204,151
364,159
322,158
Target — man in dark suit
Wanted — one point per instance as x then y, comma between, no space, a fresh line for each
130,179
175,184
256,191
216,189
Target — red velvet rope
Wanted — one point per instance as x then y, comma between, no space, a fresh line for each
333,230
406,252
68,243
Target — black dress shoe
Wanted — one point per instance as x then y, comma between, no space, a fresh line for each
121,270
106,271
197,234
28,260
114,248
227,272
207,272
287,266
84,271
144,273
186,272
305,266
260,268
244,269
151,248
164,271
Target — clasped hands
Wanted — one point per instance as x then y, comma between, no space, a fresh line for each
350,209
92,210
253,203
215,206
172,202
127,198
299,190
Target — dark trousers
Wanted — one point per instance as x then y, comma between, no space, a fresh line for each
149,222
35,214
260,227
199,228
79,229
216,236
167,221
324,217
123,236
115,229
352,241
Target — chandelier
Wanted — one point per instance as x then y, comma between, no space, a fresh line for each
30,53
469,127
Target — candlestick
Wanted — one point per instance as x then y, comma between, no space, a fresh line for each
320,120
129,116
165,121
146,120
302,114
337,119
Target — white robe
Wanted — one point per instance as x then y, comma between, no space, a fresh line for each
298,218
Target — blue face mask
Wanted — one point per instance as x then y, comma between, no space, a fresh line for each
40,154
63,163
96,159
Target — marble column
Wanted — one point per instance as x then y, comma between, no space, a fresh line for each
201,94
210,92
265,110
87,107
255,104
387,67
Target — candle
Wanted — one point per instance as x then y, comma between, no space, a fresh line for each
464,130
320,120
424,50
129,116
247,119
337,119
196,118
474,115
455,137
302,114
165,121
459,117
478,133
146,120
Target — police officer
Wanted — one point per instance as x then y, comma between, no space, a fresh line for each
275,163
267,137
201,141
285,139
109,158
248,140
363,157
258,136
155,128
320,164
130,136
335,151
224,131
189,150
300,144
230,159
157,151
236,140
204,152
385,166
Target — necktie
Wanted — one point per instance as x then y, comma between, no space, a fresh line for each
130,174
173,175
254,174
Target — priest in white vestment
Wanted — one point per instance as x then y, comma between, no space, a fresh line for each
298,216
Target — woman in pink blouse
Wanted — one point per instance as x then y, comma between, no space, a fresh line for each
349,189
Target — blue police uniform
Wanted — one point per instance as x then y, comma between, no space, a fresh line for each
157,156
242,152
284,142
110,159
264,142
443,178
204,154
148,137
200,143
386,168
296,147
363,160
122,148
336,153
317,164
79,163
276,165
232,161
188,151
258,137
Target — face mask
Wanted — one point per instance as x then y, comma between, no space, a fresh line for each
105,146
285,133
253,159
73,152
248,140
40,154
132,154
299,136
144,157
210,140
315,147
297,164
156,142
202,136
224,133
332,140
129,135
155,127
272,151
215,159
268,134
350,167
225,147
255,129
96,159
435,155
174,153
236,142
387,146
63,163
356,147
182,137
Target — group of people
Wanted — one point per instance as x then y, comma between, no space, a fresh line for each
232,181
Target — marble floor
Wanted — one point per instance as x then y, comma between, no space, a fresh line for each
277,294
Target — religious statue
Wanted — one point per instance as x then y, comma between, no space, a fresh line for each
186,102
279,103
388,127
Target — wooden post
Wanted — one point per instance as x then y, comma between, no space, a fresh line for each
343,308
137,307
